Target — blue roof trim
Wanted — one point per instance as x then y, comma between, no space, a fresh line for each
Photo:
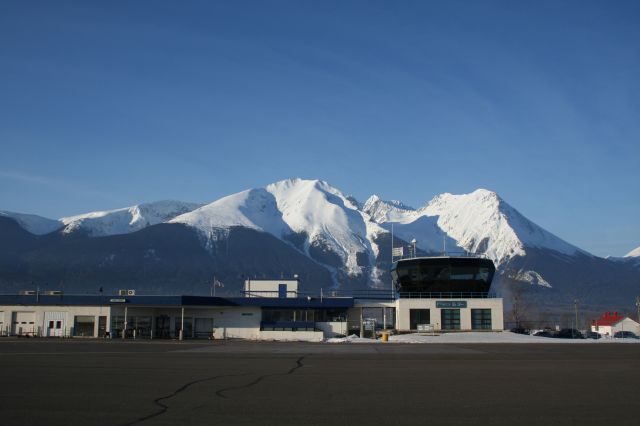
295,302
176,301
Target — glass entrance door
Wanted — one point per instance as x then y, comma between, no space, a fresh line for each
450,319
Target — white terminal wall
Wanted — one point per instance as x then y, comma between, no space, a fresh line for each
43,314
332,328
403,307
228,322
270,288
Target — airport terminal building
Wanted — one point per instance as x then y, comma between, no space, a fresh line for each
443,294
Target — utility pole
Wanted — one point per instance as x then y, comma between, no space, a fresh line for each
444,244
575,305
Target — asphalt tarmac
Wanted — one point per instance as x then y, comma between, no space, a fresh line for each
78,382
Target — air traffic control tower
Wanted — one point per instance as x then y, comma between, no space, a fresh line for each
446,293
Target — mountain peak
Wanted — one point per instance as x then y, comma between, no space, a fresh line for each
323,221
382,211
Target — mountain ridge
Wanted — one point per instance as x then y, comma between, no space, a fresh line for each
310,220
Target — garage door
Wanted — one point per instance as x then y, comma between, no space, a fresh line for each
24,323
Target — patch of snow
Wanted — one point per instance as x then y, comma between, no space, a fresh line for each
476,337
531,277
351,339
492,337
32,223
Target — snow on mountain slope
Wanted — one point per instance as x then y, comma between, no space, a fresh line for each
479,222
631,258
386,211
327,218
409,224
34,224
126,220
483,222
253,208
634,253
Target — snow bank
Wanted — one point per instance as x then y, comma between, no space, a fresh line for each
477,337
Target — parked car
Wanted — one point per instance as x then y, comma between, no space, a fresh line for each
592,335
519,330
569,333
544,334
625,335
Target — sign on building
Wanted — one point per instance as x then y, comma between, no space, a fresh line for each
451,304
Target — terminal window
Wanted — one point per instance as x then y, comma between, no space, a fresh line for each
481,319
418,316
450,319
83,325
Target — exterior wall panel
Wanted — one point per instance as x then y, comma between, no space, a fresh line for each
404,306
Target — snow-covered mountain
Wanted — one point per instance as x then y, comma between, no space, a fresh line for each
304,227
125,220
479,222
334,230
311,215
37,225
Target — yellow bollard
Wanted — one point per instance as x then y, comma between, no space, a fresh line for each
385,337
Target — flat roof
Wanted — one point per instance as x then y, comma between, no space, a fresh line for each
175,301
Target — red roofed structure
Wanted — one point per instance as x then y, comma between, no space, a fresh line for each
607,319
609,324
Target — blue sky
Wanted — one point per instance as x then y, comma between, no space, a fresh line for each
104,105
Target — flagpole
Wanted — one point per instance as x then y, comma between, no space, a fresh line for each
391,242
392,289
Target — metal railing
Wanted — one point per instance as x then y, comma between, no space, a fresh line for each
271,294
358,294
448,253
447,295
